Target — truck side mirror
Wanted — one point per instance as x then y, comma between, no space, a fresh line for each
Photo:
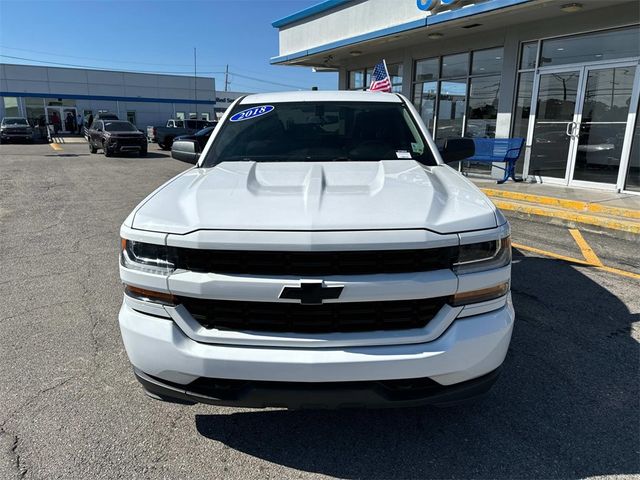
186,151
456,149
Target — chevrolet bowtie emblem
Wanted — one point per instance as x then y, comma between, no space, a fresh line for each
311,293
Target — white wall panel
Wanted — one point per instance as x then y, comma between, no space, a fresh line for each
67,75
27,86
69,88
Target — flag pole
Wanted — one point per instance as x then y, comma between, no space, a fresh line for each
386,70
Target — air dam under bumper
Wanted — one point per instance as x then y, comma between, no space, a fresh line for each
470,348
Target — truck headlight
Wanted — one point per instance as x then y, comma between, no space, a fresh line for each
146,257
477,257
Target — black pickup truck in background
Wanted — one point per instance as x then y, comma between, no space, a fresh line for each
164,135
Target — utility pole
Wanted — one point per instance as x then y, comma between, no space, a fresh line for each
195,81
226,77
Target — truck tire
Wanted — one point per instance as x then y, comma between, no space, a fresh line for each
161,145
92,149
106,151
168,142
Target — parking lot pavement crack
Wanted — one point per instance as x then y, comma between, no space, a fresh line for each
16,460
34,398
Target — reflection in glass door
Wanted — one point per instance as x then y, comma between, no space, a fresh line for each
603,123
555,122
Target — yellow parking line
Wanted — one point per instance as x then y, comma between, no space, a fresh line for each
588,253
546,253
56,146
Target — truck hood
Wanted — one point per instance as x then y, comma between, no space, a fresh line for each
306,196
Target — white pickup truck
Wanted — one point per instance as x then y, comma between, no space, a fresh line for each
320,254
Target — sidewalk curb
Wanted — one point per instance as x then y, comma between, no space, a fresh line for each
630,227
575,205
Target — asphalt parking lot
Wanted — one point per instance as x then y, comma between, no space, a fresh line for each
566,406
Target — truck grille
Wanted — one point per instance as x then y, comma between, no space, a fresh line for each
314,263
329,317
129,141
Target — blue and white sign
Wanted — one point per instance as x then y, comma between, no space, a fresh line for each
252,112
427,5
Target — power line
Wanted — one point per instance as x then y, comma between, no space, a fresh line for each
185,72
102,59
268,81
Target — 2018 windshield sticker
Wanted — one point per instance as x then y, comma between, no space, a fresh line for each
252,112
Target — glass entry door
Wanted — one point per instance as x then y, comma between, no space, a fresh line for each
579,135
551,136
61,119
603,123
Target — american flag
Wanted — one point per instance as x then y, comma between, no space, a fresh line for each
380,81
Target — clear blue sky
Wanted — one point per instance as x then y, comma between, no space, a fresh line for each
157,36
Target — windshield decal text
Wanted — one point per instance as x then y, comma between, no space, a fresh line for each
252,112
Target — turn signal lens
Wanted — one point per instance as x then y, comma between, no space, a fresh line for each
149,295
477,296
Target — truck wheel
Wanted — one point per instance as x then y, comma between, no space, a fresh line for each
168,142
92,149
107,153
161,145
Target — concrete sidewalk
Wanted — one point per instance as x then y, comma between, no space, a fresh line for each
605,212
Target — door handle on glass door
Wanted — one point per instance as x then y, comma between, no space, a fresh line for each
569,129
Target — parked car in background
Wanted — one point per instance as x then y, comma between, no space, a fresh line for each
116,136
15,128
165,134
320,254
201,136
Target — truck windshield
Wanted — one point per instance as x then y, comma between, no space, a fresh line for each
119,127
319,131
14,121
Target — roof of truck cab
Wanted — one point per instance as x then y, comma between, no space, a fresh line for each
320,96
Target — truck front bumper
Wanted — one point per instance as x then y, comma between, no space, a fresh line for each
456,365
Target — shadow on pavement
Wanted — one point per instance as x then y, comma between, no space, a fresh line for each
566,405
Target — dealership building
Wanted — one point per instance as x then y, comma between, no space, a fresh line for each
143,99
563,75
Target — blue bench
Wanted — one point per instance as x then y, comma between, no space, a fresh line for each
490,150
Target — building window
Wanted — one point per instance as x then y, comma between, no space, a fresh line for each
34,109
425,88
204,116
361,79
591,47
483,106
457,95
522,107
11,107
356,80
451,107
528,55
455,65
131,117
180,115
395,73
